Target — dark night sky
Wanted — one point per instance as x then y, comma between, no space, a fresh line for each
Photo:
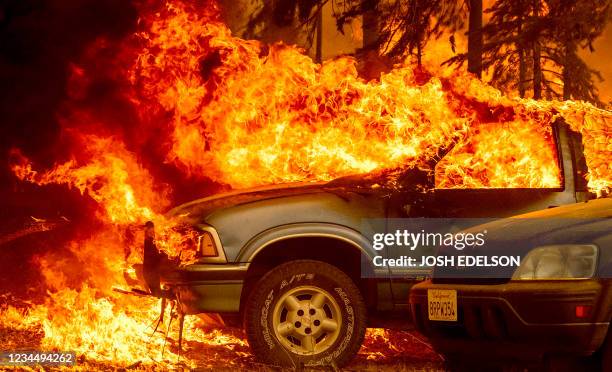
37,41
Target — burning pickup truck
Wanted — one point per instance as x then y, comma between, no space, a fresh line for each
287,259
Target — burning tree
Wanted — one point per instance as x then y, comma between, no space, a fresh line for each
541,39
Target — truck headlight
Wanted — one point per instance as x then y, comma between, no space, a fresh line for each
568,261
207,246
210,249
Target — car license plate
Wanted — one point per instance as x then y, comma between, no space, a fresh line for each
442,304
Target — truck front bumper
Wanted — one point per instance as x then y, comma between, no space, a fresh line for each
517,319
208,288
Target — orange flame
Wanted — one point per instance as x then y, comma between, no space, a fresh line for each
111,176
246,115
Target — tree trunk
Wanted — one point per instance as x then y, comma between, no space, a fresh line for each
537,64
319,51
522,72
475,38
369,26
522,65
567,92
567,82
537,71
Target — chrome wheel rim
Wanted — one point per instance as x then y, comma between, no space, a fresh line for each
307,320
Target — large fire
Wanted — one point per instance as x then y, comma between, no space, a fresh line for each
243,114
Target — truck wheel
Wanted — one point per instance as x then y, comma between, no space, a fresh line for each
305,313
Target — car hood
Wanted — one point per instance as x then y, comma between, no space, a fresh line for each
361,184
242,196
544,222
376,182
582,223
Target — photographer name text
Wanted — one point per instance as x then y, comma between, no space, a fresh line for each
448,261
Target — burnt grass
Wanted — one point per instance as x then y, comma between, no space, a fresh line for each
404,351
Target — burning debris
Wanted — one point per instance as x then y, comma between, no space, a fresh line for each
244,114
35,226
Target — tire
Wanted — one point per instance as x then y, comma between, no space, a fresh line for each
305,313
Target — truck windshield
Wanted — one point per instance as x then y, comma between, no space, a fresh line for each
502,155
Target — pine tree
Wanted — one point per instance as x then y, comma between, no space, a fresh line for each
405,26
570,25
533,44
